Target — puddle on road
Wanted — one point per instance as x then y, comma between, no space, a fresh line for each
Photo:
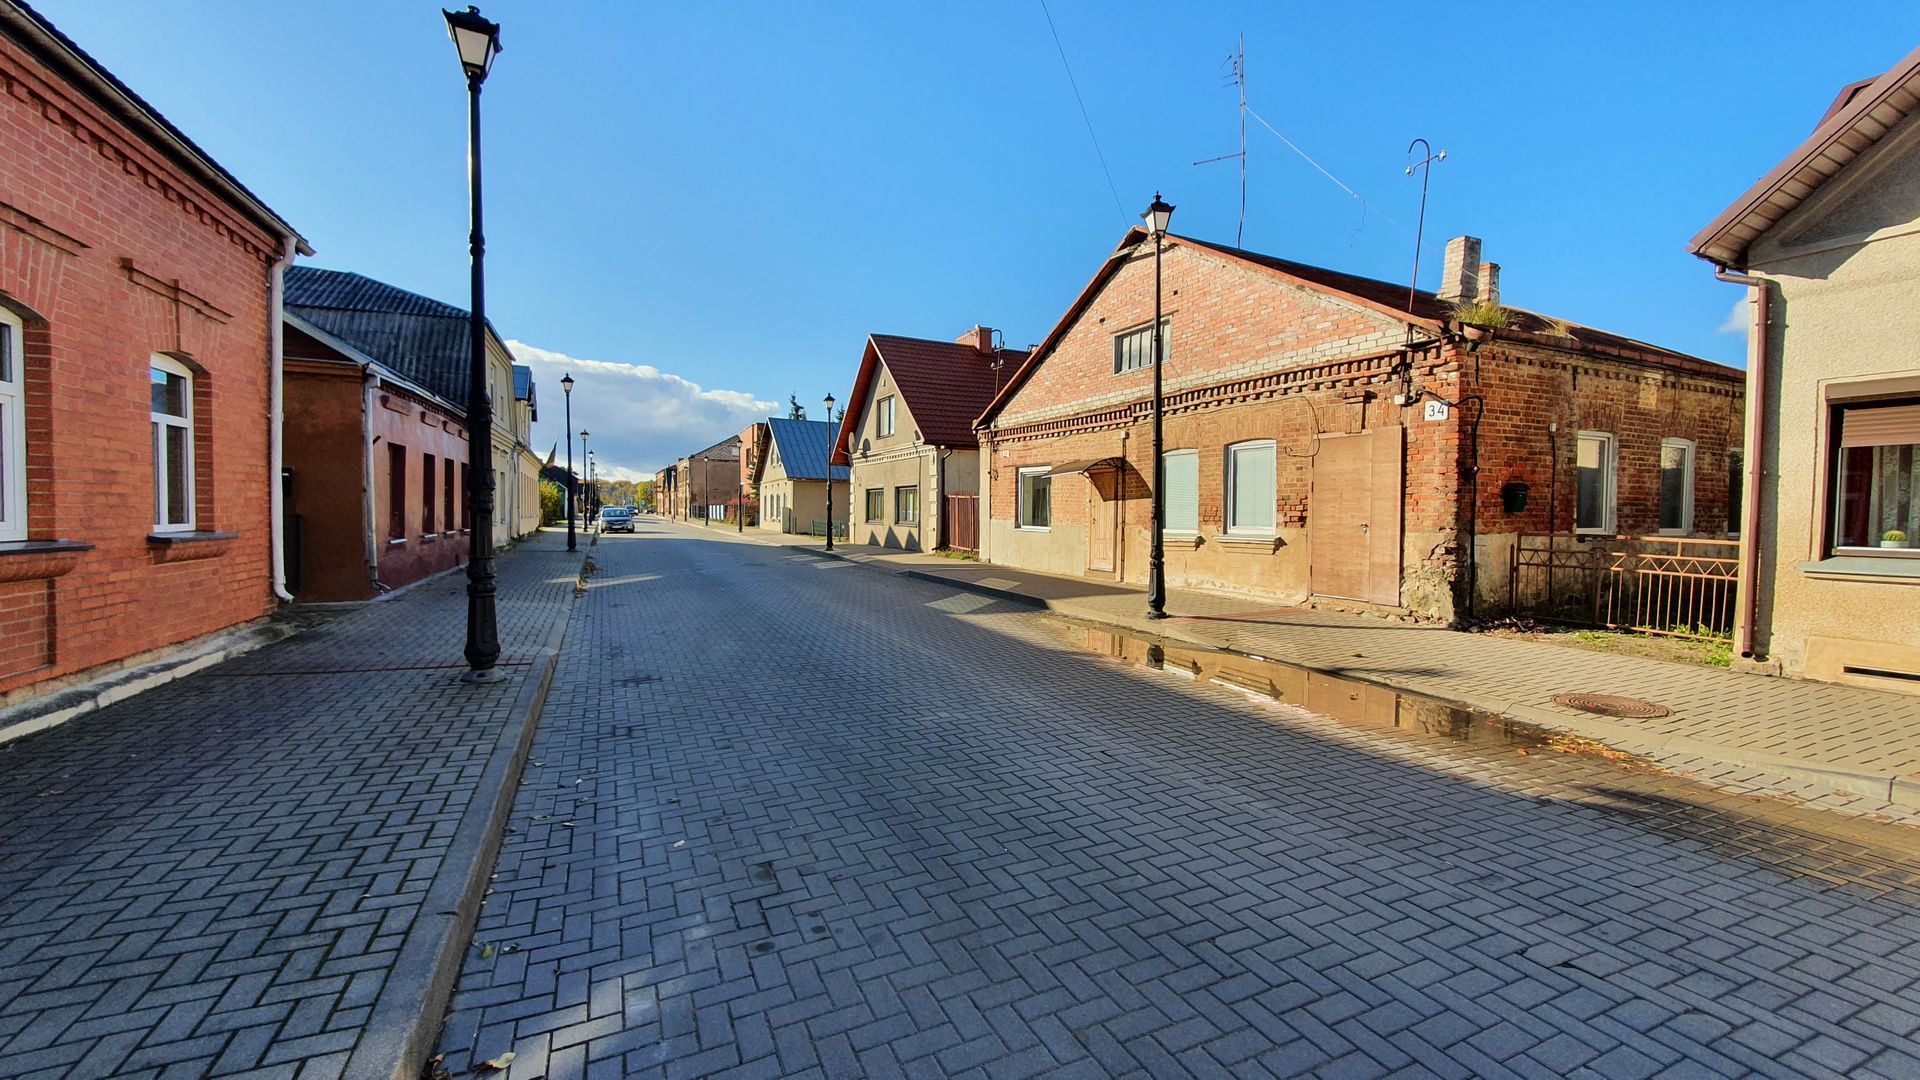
1353,703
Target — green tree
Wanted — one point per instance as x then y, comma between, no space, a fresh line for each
553,502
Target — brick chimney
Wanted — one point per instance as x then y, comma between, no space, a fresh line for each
1460,273
980,337
1490,282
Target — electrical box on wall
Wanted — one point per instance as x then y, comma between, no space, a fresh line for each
1435,410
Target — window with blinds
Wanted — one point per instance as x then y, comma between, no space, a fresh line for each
1181,472
1877,486
1250,488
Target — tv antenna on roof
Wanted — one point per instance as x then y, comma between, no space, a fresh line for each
1238,61
1425,165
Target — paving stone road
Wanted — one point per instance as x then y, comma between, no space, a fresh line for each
215,877
793,817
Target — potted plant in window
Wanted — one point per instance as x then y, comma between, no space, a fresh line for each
1893,538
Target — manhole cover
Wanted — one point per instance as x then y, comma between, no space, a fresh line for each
1613,705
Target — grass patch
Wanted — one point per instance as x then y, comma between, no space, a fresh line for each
1483,313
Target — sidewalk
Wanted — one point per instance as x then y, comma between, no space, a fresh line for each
267,867
1829,744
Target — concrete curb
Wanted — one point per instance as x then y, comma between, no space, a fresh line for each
1893,788
407,1016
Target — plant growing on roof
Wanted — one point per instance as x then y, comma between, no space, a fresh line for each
1485,313
1558,328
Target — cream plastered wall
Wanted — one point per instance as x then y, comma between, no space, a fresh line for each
1846,265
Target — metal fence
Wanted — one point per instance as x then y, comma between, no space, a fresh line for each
1668,585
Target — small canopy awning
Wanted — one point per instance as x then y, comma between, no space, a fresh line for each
1081,466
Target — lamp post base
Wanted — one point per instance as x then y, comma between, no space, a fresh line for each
485,675
1152,614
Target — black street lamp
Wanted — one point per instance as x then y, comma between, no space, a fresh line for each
566,390
830,442
706,493
477,41
1157,215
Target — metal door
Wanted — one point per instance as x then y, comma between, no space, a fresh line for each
1353,516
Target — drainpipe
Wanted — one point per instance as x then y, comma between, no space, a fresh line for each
370,383
276,289
940,499
1756,427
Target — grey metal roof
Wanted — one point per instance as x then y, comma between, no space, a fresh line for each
803,446
419,337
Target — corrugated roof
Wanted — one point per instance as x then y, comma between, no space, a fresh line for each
803,447
945,384
423,339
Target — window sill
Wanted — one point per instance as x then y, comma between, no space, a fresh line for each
188,545
39,560
1893,570
1171,538
1270,542
396,541
1033,528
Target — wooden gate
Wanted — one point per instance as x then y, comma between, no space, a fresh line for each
960,523
1353,516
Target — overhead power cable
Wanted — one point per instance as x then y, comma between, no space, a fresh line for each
1071,81
1323,169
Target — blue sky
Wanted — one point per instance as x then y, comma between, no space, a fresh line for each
717,202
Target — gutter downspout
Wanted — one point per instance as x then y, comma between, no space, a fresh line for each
370,382
1758,362
276,333
940,498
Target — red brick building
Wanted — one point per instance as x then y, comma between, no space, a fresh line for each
1324,441
376,444
138,291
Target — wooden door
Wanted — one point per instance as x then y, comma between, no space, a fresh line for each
1102,521
1353,518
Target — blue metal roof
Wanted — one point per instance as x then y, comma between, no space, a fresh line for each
803,446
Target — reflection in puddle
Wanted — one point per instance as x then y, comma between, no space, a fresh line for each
1351,702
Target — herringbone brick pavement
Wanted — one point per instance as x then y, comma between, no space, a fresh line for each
788,818
212,878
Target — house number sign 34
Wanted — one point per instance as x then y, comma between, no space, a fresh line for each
1436,410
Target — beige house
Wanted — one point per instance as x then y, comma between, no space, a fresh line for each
909,440
1828,244
791,478
516,472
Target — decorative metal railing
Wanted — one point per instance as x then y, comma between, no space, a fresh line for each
1676,586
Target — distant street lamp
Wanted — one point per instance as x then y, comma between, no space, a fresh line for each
566,389
1157,215
706,493
477,42
830,444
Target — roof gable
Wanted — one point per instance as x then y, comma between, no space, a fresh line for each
943,385
803,445
1859,117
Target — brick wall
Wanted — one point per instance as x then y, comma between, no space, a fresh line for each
112,255
1256,357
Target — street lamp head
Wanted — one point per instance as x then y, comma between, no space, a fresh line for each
1159,212
476,38
566,384
829,406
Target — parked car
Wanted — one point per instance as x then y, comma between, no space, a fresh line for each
616,519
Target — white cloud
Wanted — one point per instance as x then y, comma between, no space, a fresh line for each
640,418
1739,319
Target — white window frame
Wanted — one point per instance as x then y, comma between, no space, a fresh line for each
1120,339
13,427
1038,472
1609,475
1686,494
1167,528
159,421
1231,528
883,421
898,491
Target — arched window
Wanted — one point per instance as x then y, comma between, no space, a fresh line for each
172,415
13,429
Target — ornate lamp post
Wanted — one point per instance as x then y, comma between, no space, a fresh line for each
477,42
1157,215
566,389
830,441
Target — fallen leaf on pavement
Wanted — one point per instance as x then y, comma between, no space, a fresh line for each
498,1063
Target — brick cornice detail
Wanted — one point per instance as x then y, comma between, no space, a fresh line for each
27,225
100,135
1333,374
171,289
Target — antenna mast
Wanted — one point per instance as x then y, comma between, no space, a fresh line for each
1425,165
1238,62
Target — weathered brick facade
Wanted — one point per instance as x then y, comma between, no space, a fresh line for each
120,243
1259,353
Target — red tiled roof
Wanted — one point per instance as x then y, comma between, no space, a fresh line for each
945,384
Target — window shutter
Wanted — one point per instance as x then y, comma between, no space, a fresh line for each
1183,492
1886,425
